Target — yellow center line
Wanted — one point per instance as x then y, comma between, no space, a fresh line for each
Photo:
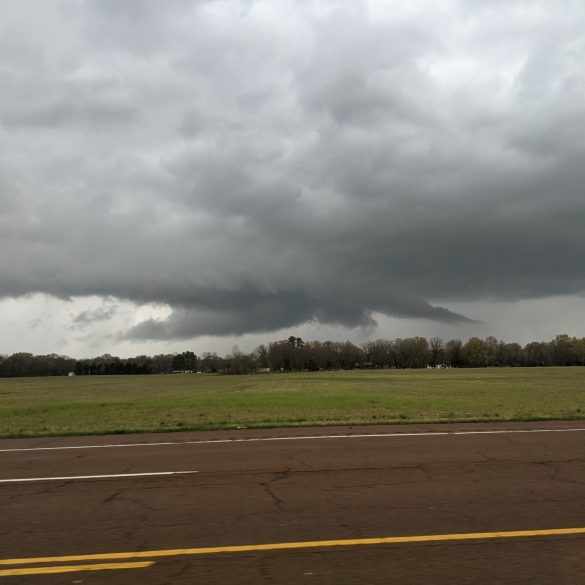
74,568
295,545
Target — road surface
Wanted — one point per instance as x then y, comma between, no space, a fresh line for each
426,504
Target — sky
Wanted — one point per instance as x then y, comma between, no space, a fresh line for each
194,174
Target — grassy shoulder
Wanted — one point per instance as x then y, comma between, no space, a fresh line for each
31,407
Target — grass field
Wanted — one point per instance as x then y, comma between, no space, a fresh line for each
124,404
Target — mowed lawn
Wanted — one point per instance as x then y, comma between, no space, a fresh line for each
120,404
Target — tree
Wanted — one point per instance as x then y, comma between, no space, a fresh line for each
211,362
537,354
190,360
437,348
513,355
412,352
563,350
475,353
240,363
494,357
186,361
162,363
261,356
378,353
348,355
454,353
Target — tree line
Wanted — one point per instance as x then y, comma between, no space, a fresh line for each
294,354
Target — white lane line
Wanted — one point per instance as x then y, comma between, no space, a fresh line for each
294,438
68,478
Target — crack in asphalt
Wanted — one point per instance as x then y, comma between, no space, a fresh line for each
114,495
296,456
263,572
267,485
556,470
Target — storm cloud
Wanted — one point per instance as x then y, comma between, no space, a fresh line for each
258,165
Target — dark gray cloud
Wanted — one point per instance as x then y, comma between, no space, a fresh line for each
256,165
92,315
243,311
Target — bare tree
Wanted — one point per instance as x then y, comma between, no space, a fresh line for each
437,348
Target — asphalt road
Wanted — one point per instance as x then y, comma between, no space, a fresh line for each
270,487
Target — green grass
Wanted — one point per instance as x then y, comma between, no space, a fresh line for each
125,404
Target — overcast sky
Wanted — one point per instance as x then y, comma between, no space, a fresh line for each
190,174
